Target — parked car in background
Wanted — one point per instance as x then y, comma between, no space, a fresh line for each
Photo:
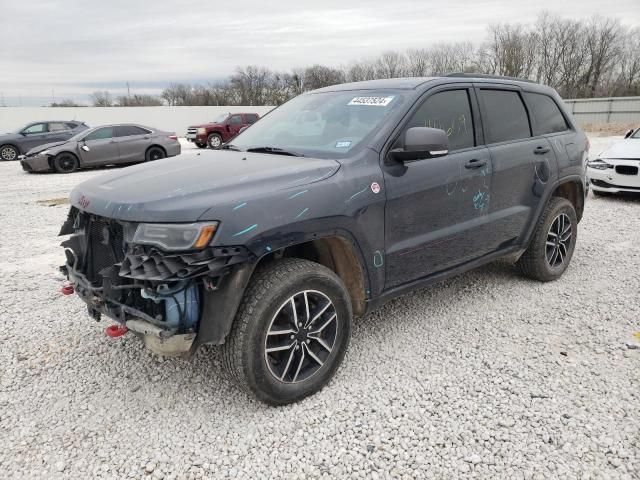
12,145
221,130
617,168
105,145
271,252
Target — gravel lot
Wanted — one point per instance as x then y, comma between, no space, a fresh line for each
484,375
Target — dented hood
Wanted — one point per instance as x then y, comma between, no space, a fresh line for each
628,148
195,186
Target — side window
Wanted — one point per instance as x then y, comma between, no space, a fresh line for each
546,114
100,134
251,118
129,130
505,117
37,128
58,127
235,120
449,111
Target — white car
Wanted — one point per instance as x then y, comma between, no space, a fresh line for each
616,169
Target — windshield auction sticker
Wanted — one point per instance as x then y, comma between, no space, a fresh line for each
371,101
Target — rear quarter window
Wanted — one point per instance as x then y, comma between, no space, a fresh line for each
504,116
547,117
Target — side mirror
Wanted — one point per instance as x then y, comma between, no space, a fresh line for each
421,143
228,126
629,133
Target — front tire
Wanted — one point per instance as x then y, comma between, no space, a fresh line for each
201,145
291,331
214,141
553,243
8,153
65,162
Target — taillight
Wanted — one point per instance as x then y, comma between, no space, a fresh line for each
173,137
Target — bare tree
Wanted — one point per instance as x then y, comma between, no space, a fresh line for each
101,99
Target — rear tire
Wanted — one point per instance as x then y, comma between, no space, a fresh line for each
553,243
267,354
214,141
65,162
154,153
9,153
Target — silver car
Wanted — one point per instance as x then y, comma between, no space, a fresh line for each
105,145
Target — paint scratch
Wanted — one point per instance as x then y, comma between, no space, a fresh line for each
298,194
302,212
356,194
248,229
240,206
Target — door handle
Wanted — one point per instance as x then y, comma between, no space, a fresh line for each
475,163
541,150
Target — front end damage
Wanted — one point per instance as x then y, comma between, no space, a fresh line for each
175,301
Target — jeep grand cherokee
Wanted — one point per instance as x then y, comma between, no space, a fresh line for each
271,250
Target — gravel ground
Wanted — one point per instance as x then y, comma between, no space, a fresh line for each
484,375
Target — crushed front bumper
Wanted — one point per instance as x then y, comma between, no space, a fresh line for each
36,163
143,287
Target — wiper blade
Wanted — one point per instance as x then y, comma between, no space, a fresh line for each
229,146
274,151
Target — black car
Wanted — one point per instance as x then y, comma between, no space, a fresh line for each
270,246
35,134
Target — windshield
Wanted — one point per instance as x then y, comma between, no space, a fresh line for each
220,118
324,125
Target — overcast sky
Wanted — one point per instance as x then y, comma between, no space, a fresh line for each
69,48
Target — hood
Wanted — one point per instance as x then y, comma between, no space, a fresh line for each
46,146
5,137
629,148
184,188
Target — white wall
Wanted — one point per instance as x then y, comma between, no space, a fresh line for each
172,119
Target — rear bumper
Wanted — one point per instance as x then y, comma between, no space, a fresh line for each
173,150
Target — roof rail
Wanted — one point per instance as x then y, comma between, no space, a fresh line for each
484,75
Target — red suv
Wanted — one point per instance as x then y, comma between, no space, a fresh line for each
221,130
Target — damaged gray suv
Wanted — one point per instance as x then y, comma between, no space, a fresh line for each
327,207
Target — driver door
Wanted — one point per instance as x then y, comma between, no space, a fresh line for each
435,205
99,147
234,125
34,135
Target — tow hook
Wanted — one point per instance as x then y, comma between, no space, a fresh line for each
67,289
115,331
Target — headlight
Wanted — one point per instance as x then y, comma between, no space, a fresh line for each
175,236
202,131
598,164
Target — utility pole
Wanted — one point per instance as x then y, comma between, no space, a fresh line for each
128,92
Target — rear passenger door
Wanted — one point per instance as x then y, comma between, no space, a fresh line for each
132,142
549,122
59,131
515,155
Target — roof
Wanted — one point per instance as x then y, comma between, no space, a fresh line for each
412,83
